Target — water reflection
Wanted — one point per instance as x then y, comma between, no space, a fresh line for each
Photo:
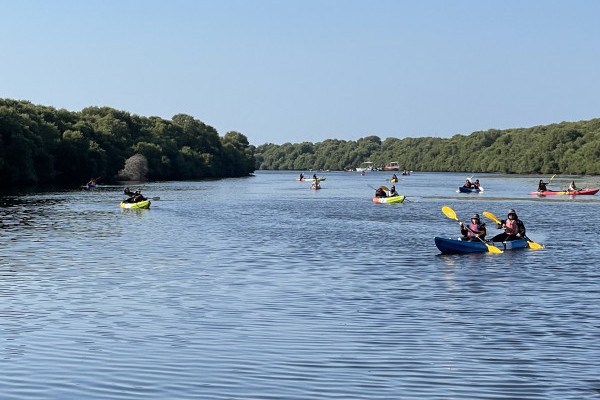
280,292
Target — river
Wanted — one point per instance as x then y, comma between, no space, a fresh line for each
260,288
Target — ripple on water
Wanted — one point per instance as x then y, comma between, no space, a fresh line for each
293,294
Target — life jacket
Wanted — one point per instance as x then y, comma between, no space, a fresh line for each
474,228
512,228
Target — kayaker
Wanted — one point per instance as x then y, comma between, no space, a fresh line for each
393,192
315,177
476,184
134,197
513,227
379,192
129,193
542,186
138,196
394,178
468,183
301,176
474,230
315,184
572,187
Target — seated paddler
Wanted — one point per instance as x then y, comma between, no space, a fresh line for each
476,229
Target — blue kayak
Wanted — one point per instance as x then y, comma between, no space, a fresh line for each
455,246
463,189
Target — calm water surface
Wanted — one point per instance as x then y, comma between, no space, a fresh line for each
260,288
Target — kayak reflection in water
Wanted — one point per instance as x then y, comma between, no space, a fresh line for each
513,227
134,197
476,229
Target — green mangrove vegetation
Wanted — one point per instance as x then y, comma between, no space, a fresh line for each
41,144
566,147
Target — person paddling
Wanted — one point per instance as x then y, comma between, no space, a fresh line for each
572,187
513,227
475,230
542,186
379,192
393,192
134,197
468,183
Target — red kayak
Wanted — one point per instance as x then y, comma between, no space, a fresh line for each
568,192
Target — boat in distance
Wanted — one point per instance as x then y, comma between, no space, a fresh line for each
567,192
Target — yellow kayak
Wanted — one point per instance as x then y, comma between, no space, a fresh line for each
139,204
393,199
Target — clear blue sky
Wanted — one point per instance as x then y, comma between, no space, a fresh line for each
308,70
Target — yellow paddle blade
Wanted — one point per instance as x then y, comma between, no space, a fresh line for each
449,212
534,245
385,188
491,216
493,249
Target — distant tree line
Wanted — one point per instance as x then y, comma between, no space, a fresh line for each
40,144
567,148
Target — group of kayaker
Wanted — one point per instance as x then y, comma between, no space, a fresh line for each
513,227
543,186
315,183
380,192
474,185
134,197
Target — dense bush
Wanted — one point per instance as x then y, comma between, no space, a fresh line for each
40,144
567,148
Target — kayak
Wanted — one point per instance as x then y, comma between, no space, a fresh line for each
455,246
393,199
568,192
393,180
310,179
463,189
139,204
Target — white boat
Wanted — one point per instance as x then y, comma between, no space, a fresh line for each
367,167
392,166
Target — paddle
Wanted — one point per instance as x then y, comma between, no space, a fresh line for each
532,245
551,179
452,215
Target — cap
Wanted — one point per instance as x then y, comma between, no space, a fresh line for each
475,216
512,211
